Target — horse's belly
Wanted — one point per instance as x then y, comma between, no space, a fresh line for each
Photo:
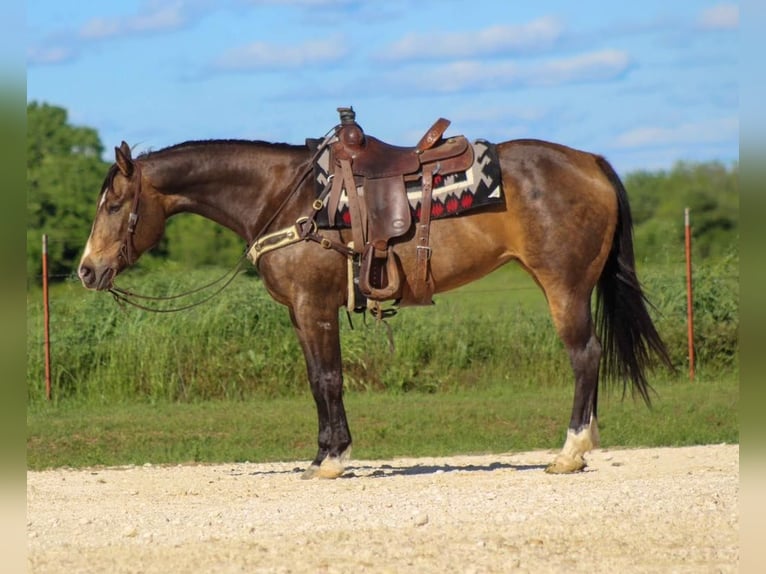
463,249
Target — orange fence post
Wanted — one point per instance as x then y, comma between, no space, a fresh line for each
689,297
46,320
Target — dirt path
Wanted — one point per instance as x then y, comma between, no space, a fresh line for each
647,510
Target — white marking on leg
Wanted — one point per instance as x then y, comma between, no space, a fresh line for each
570,459
578,443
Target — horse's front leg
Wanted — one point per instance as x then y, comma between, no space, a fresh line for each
318,332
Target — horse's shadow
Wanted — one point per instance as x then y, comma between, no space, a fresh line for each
388,471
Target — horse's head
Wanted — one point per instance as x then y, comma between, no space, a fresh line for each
129,220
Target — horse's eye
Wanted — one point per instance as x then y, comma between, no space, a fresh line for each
113,208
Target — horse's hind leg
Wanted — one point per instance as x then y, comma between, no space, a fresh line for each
574,324
318,332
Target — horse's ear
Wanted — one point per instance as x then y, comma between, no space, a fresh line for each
122,157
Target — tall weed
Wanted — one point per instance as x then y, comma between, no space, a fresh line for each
241,344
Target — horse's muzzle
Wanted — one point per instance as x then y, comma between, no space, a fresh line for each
93,278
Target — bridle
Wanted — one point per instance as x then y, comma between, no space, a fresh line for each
128,248
128,253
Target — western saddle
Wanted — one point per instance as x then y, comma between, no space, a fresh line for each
373,174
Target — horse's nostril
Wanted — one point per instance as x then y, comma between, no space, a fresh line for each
86,274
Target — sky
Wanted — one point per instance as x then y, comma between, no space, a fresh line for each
646,84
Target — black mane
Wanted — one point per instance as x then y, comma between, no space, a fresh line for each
223,142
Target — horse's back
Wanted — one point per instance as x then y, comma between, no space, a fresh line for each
538,164
558,220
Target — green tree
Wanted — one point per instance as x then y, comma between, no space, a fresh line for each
658,199
64,175
193,241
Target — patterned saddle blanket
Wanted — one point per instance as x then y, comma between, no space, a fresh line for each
453,194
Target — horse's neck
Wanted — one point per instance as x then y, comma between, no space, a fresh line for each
239,188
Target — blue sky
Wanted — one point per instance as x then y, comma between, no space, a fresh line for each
644,83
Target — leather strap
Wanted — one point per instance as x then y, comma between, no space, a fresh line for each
333,200
358,219
422,286
128,248
432,135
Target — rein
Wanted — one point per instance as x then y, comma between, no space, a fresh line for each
304,228
123,296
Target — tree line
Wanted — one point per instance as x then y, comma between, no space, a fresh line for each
66,170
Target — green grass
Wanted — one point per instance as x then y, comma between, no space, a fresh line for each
497,418
241,344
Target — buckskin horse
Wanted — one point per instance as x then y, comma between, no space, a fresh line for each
564,217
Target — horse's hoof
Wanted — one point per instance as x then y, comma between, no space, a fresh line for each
331,467
310,472
566,465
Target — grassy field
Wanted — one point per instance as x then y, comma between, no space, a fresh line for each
481,371
242,344
501,418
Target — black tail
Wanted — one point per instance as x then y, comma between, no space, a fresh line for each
628,335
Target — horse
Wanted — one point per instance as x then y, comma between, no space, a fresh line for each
565,219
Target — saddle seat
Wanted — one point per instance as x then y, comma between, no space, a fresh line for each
377,159
373,173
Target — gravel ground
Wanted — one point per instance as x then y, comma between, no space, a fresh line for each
643,510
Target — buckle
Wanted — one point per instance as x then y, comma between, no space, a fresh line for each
300,223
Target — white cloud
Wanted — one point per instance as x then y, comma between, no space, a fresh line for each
161,18
602,65
265,56
99,28
537,35
472,74
153,17
307,3
50,55
720,17
689,133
